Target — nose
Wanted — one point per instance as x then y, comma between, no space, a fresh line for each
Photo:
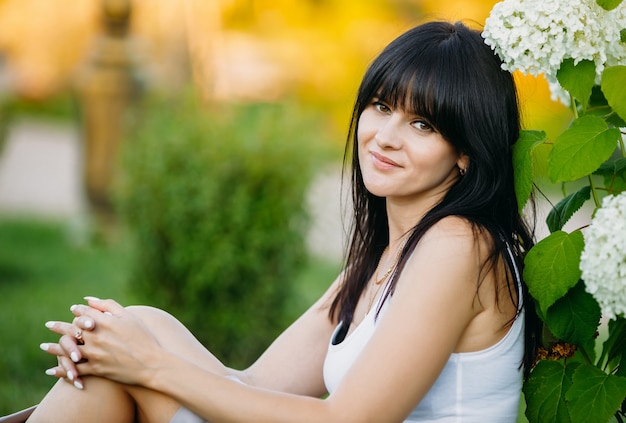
388,132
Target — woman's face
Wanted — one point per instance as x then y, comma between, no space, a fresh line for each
402,157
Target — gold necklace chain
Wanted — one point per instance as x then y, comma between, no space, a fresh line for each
369,307
379,282
393,265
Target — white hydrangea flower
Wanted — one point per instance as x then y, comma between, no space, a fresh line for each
603,260
535,36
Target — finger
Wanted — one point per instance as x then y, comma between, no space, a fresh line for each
56,371
85,368
51,348
67,329
84,323
61,373
69,346
62,328
106,306
71,352
86,313
71,372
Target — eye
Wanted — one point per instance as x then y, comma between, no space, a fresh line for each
422,125
381,107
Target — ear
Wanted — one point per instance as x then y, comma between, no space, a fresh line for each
463,162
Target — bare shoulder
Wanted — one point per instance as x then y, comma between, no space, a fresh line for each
456,234
450,252
453,253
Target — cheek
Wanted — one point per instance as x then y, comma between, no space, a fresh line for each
432,158
362,157
363,138
367,126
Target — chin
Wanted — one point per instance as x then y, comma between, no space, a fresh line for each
377,190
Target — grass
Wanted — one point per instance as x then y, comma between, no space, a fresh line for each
44,270
42,273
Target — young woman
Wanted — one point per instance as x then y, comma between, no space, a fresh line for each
427,321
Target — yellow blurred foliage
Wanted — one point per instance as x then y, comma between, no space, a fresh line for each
313,50
42,41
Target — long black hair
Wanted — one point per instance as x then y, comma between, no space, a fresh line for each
445,73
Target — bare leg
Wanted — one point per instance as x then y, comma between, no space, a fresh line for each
175,337
105,401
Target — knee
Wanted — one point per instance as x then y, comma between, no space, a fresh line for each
171,333
152,316
144,310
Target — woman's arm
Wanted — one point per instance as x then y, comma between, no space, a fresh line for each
292,363
433,304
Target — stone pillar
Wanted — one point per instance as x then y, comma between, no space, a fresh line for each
106,88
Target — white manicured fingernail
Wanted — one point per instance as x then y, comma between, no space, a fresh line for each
88,324
70,375
89,298
72,308
74,357
51,372
44,346
78,385
108,313
49,325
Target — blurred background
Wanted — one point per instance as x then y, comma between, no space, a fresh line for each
185,154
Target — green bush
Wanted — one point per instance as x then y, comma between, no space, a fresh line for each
214,196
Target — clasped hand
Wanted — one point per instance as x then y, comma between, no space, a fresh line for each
103,339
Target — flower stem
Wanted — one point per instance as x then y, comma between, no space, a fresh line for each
596,200
585,355
572,105
615,335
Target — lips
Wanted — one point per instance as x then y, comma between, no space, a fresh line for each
379,158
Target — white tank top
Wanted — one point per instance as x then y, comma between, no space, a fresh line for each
475,387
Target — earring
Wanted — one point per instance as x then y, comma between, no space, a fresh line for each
462,171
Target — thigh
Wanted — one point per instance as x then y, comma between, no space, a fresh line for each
175,337
151,406
103,401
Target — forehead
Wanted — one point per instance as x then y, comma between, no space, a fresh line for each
410,92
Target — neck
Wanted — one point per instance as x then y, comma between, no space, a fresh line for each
404,213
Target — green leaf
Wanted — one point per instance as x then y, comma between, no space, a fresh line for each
622,35
575,317
612,167
581,149
551,267
613,79
589,347
621,370
614,173
594,395
577,79
608,4
522,164
615,344
545,392
599,106
565,209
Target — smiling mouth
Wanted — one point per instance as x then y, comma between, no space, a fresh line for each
383,160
